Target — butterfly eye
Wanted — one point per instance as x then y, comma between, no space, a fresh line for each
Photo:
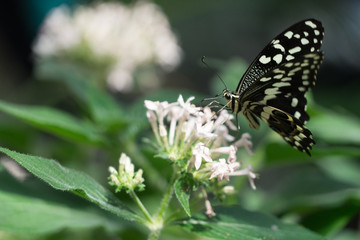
227,96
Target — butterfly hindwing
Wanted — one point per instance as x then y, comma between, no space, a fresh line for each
291,129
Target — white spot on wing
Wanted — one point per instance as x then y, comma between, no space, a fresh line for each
278,58
289,57
286,79
279,76
305,77
272,91
302,89
317,33
281,84
265,79
294,102
289,34
304,41
295,50
264,60
310,24
297,115
278,46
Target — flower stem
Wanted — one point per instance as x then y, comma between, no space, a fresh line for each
166,199
158,224
141,206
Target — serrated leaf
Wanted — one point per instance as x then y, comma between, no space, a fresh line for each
54,121
183,196
237,223
66,179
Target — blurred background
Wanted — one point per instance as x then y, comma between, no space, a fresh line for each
322,191
217,29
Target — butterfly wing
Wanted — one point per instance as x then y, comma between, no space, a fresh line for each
284,87
290,128
298,40
278,98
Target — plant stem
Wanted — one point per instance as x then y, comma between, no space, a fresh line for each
141,206
157,227
166,199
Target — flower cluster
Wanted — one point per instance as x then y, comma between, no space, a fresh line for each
197,140
125,177
130,36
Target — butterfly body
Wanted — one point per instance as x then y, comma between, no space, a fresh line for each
273,87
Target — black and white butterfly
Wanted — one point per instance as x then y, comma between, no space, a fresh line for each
273,87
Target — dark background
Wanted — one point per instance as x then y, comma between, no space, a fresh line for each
218,29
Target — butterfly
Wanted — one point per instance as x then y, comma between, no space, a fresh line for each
273,87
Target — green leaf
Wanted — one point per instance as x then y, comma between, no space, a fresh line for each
54,121
297,187
183,195
278,152
237,223
230,71
334,127
24,214
330,220
82,80
65,179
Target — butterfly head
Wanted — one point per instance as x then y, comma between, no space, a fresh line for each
227,95
232,100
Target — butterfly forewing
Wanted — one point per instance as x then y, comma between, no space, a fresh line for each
300,39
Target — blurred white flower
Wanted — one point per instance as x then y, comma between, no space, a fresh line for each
131,36
126,177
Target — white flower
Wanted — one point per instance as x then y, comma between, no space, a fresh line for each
188,135
244,141
126,177
222,169
201,152
131,36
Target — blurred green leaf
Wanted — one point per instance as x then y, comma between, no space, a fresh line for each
334,128
328,221
30,215
230,71
65,179
342,168
279,151
297,187
346,234
54,121
82,82
237,223
183,196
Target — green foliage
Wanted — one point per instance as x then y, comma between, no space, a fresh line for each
183,195
65,179
237,223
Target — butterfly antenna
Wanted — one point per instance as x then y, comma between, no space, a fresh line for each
203,61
